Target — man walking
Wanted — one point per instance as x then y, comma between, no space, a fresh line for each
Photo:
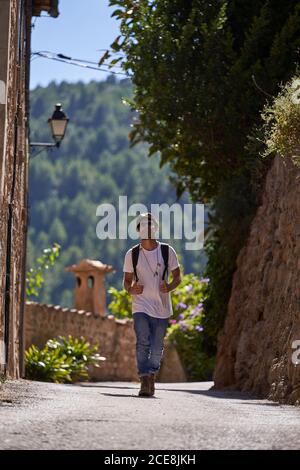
146,269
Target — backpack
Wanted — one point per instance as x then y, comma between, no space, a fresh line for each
135,256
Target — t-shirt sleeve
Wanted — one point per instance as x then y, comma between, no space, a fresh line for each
127,267
173,260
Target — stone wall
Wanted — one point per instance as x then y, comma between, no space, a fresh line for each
15,19
263,320
116,339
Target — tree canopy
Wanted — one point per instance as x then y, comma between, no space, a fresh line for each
202,73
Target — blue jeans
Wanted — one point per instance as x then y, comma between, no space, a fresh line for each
150,333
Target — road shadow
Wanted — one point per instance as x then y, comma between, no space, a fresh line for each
127,396
119,395
212,392
96,385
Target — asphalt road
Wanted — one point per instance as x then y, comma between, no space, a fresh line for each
110,415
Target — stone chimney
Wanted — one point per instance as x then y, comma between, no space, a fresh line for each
50,6
90,288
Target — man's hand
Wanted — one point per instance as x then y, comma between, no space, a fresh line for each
135,289
164,287
168,287
132,288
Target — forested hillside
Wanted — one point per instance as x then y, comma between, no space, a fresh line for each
94,165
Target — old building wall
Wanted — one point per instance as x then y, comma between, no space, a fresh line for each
14,75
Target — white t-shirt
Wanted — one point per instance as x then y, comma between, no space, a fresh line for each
151,301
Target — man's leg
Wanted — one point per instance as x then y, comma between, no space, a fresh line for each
158,328
142,331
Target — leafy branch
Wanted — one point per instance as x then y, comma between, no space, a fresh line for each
34,277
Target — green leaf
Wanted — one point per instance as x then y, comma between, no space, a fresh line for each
105,56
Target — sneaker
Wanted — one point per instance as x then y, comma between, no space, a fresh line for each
145,390
152,383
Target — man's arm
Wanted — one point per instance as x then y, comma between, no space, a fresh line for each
134,288
176,280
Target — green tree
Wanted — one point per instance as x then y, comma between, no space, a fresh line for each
202,72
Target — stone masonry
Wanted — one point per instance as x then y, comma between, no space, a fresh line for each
115,337
263,322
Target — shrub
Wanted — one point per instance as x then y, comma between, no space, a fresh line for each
63,359
120,305
282,122
186,328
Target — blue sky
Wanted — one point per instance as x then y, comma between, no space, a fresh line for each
82,27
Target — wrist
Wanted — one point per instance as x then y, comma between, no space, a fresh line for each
168,286
172,285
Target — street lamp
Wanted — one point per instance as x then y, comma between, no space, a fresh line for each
58,124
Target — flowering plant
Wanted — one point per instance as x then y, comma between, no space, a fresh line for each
186,329
187,302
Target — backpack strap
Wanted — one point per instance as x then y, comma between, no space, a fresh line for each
165,255
135,256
